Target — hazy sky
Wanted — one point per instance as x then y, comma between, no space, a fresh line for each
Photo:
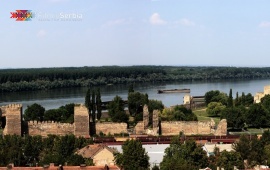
136,32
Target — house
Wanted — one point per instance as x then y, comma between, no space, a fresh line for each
210,147
101,154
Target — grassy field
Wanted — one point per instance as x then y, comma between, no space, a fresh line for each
203,116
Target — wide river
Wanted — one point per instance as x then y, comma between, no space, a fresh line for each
59,97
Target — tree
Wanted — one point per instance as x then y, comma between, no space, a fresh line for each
266,137
130,88
155,167
116,110
98,104
230,99
237,100
215,96
243,99
251,150
75,160
266,102
34,112
267,153
184,156
178,113
88,99
93,106
134,156
242,146
215,108
136,100
235,116
257,116
228,160
249,99
155,105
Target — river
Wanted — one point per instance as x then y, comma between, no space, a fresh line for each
58,97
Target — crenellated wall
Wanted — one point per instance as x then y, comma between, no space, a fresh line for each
13,114
45,128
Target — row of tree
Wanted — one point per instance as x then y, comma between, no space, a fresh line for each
93,103
240,112
63,114
52,78
35,150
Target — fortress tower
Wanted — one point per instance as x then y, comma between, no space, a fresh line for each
13,114
81,121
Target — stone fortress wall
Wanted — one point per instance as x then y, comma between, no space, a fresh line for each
13,114
194,127
175,127
259,95
81,125
45,128
111,128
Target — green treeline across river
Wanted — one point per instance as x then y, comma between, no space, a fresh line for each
52,78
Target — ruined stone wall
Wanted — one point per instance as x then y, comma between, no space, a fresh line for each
139,128
13,113
155,119
266,90
81,121
193,128
221,128
45,128
145,116
111,128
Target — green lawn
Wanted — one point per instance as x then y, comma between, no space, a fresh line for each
203,116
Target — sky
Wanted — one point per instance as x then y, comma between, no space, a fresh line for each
75,33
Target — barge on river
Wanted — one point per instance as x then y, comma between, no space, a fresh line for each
174,91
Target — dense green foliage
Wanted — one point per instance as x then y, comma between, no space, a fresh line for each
136,101
32,150
253,150
215,108
178,113
240,112
34,112
134,156
93,103
182,156
116,110
155,105
228,160
230,99
258,116
64,114
216,96
51,78
235,116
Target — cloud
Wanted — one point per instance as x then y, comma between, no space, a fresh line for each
185,22
265,24
41,33
156,20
